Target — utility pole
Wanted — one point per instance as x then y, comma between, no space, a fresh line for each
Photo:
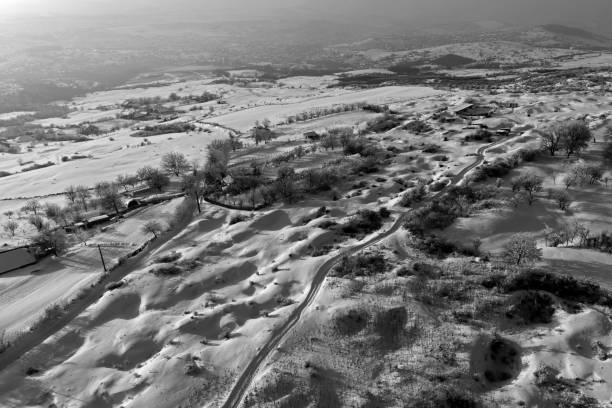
102,258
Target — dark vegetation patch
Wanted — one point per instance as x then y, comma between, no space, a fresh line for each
383,124
167,270
445,396
563,286
351,321
389,324
500,167
238,218
168,258
361,265
418,127
502,360
432,148
37,166
163,129
531,307
114,285
481,135
363,223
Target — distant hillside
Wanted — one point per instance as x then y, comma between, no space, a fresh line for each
572,32
452,60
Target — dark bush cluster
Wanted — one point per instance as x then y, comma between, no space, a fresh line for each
167,270
383,124
414,195
502,166
532,307
445,396
163,129
361,265
437,214
479,136
168,258
436,246
563,286
364,222
36,166
418,126
351,321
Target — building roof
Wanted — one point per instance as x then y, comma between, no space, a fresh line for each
15,258
461,108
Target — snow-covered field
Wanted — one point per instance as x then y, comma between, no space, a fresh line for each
180,337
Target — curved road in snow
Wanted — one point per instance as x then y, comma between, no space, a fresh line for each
241,387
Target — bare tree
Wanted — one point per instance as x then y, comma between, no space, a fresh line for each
111,198
71,194
530,183
551,140
10,226
123,181
574,137
194,186
144,173
83,195
53,212
32,206
51,241
285,183
175,163
83,235
564,200
521,249
38,222
157,180
153,227
329,141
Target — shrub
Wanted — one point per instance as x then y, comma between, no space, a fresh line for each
418,126
361,265
436,246
114,285
168,258
498,169
383,124
438,185
167,270
431,148
389,324
163,129
351,321
445,396
562,198
238,218
438,214
364,222
532,307
384,212
479,136
38,166
414,195
563,286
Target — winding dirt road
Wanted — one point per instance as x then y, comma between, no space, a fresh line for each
241,387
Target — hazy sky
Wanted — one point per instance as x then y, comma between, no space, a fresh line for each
586,13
